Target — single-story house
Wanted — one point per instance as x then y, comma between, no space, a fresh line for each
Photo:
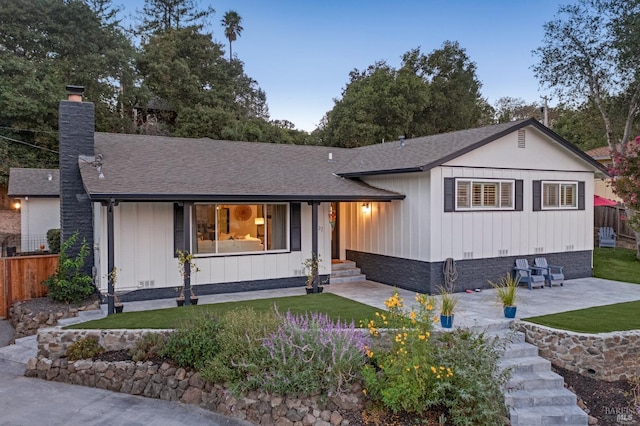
38,191
251,213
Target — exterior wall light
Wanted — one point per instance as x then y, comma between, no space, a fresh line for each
366,207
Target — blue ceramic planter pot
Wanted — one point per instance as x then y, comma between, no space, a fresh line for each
510,311
446,321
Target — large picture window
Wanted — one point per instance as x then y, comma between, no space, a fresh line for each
485,194
559,195
240,228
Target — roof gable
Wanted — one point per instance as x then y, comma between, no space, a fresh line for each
425,153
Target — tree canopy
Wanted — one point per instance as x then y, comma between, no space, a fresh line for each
427,94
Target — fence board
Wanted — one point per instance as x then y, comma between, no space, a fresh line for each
614,217
21,278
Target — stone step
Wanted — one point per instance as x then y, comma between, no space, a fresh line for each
345,272
537,380
345,264
520,349
539,398
348,279
549,415
523,365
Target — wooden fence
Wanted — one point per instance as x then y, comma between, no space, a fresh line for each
613,216
21,278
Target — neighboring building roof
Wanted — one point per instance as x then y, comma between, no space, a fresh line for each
600,153
34,182
424,153
141,167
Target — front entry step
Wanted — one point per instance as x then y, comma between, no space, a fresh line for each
344,272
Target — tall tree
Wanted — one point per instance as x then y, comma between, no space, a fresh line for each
45,45
428,94
456,102
591,52
232,28
158,16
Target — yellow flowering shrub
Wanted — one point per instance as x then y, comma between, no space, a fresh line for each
412,369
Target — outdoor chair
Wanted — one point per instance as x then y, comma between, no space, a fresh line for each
553,273
531,275
606,237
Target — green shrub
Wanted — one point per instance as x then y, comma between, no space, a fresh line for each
69,284
194,343
241,353
416,370
147,347
311,354
84,348
53,239
474,396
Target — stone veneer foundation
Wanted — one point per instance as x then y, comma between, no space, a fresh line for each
604,356
171,383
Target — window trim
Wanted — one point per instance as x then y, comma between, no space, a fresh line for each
559,183
473,181
193,236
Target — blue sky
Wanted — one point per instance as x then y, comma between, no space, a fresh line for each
301,52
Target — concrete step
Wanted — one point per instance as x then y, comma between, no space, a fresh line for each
549,415
540,398
537,380
84,316
523,365
21,351
345,272
347,279
345,264
520,349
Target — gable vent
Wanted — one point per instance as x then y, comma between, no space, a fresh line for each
521,140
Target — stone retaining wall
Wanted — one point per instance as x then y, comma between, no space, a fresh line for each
604,356
27,322
178,384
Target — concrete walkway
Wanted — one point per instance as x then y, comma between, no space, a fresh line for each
25,401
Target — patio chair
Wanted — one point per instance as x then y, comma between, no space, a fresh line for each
553,273
606,237
531,275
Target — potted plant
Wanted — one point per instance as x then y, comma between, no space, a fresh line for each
117,304
448,304
506,292
185,257
311,271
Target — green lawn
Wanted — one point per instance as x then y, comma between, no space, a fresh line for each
601,319
335,306
619,265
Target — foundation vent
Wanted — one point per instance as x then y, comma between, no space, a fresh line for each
503,252
146,284
538,250
569,247
467,255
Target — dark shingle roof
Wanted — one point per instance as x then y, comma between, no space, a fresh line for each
163,168
427,152
34,182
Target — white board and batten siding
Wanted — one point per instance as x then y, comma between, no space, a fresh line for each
37,216
396,228
144,241
418,228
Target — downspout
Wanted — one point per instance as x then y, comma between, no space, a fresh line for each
110,258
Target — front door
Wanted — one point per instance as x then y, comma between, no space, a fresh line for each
335,232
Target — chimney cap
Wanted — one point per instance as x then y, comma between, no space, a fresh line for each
75,90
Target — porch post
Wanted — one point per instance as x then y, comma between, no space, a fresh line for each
314,239
110,258
187,245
